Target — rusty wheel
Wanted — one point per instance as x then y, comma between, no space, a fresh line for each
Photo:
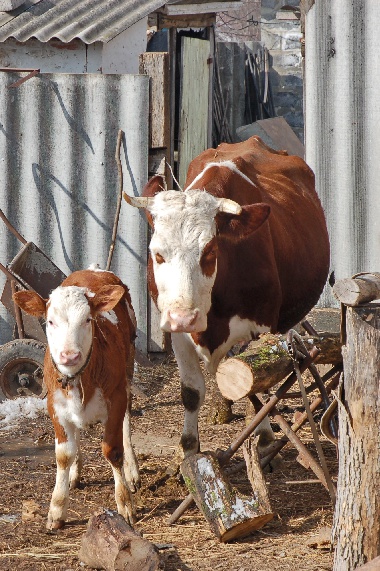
21,368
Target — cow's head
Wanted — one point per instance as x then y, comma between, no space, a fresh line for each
69,314
184,248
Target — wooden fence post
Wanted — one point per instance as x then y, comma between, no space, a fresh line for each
357,513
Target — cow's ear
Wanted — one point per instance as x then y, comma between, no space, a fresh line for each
240,226
30,302
155,185
106,298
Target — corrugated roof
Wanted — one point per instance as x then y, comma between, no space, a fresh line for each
89,20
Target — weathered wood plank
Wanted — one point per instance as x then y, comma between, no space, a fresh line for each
204,8
193,122
162,21
156,65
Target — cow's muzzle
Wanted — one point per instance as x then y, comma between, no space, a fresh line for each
182,321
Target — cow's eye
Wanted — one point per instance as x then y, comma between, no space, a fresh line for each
88,320
50,323
160,259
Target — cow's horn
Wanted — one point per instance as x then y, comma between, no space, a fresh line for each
138,201
229,206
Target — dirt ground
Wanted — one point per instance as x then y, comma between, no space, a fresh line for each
27,469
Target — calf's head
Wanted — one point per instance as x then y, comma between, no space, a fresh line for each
69,313
188,227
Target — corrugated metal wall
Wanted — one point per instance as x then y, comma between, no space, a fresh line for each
58,175
342,103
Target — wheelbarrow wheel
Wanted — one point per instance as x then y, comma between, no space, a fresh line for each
21,368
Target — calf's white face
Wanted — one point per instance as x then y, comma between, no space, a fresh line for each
69,328
183,249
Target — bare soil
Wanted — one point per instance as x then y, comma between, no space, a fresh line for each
27,469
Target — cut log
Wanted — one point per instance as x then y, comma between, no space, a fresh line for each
357,513
255,473
229,514
111,543
357,290
266,362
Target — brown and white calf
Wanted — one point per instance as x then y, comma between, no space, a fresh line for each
88,367
243,250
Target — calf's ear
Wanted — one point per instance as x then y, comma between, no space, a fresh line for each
240,226
106,298
30,302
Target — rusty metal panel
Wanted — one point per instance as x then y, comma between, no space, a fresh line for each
342,80
59,178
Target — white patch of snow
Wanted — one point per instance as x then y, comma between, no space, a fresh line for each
12,412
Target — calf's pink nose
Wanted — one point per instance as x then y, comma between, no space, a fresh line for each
69,357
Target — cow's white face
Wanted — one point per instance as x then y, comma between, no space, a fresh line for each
184,251
69,328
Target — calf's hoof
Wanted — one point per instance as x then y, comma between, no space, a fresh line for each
54,525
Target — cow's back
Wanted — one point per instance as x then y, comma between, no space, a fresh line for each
295,233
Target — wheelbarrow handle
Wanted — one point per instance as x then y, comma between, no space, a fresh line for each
12,228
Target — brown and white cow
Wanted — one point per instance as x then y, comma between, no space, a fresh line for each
90,327
243,250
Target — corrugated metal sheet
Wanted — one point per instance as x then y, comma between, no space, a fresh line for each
58,175
342,128
89,20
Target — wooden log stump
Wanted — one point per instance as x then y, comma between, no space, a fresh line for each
229,514
360,289
266,362
110,543
373,565
357,513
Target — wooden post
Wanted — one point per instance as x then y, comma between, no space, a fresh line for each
357,513
229,514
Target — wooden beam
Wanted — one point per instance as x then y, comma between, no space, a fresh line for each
207,7
186,21
156,65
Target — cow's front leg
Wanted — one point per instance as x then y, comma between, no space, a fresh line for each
65,453
112,448
192,390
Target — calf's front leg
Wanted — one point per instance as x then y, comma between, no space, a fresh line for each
65,452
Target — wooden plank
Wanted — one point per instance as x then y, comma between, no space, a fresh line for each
204,8
156,65
185,21
193,115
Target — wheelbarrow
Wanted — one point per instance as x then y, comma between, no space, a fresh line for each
21,360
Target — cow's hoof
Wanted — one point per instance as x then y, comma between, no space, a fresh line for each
55,525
